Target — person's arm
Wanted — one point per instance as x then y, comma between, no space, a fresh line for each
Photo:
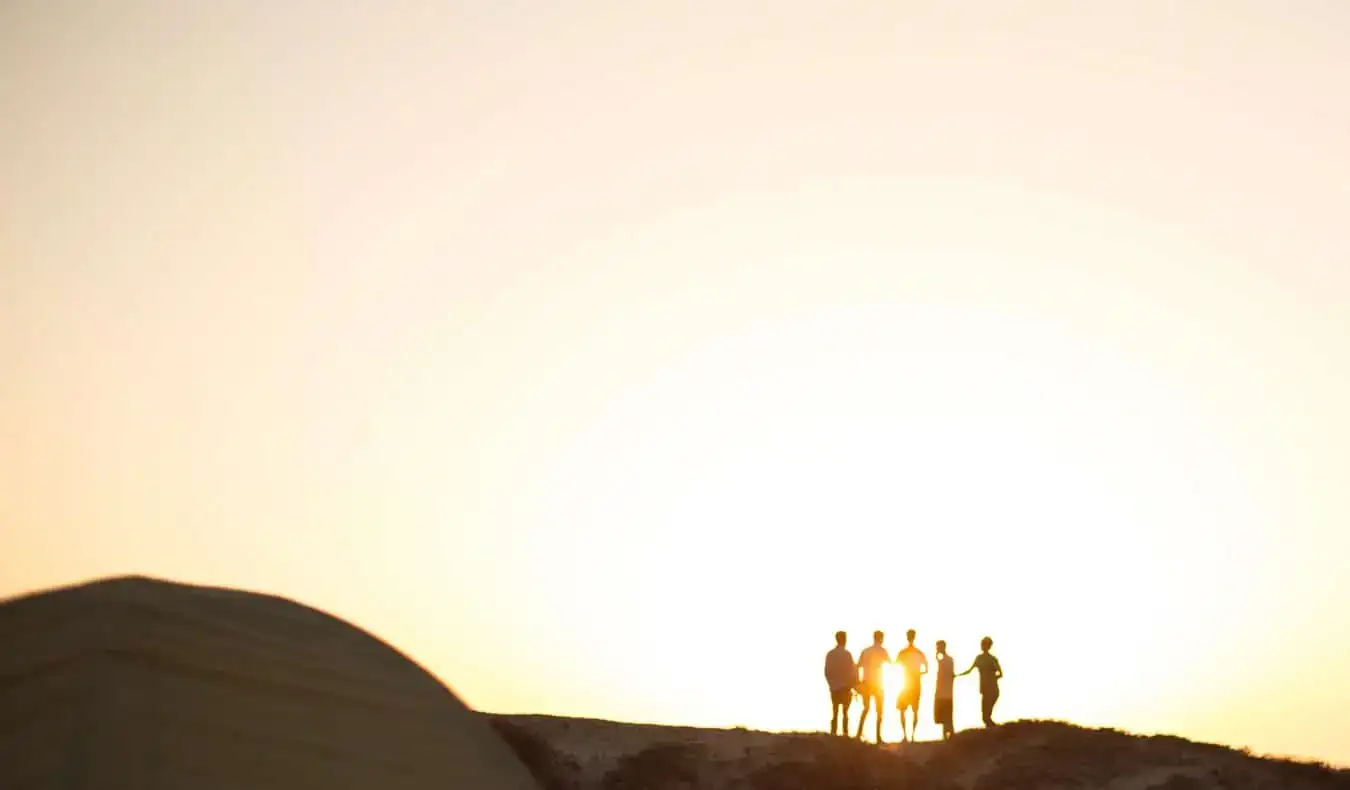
923,665
968,671
998,670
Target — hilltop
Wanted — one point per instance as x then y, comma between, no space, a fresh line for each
585,754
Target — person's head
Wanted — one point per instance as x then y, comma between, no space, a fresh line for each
878,637
909,636
942,647
840,638
986,643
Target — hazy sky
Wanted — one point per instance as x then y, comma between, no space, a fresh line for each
607,357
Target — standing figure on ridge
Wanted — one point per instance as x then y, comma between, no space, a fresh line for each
990,672
915,665
873,690
942,697
841,675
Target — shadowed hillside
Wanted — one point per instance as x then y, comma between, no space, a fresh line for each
582,754
136,682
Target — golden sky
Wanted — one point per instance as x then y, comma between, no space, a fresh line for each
608,357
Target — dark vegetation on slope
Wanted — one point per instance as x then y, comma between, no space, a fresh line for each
551,768
839,764
660,767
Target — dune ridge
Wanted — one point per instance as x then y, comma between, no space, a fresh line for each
586,754
139,682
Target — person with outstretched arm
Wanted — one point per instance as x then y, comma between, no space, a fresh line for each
871,662
990,673
841,675
915,665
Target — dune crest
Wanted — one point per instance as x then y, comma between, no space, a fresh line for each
582,754
138,682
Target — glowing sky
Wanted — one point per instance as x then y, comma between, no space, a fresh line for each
608,357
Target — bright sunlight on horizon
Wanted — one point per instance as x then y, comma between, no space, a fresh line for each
608,358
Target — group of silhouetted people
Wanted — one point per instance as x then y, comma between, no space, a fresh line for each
864,678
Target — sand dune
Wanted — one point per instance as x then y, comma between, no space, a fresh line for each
581,754
145,684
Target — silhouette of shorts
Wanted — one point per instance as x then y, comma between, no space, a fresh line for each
841,696
942,711
871,691
908,697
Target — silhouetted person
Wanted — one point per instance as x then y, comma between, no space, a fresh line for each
871,662
990,672
841,674
942,697
915,664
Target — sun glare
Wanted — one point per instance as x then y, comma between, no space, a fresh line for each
893,675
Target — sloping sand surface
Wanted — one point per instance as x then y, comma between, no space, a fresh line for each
143,684
581,754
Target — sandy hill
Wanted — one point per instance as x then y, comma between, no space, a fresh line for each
140,683
582,754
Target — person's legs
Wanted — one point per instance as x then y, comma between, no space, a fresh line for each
878,697
909,700
867,706
987,700
839,703
942,715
